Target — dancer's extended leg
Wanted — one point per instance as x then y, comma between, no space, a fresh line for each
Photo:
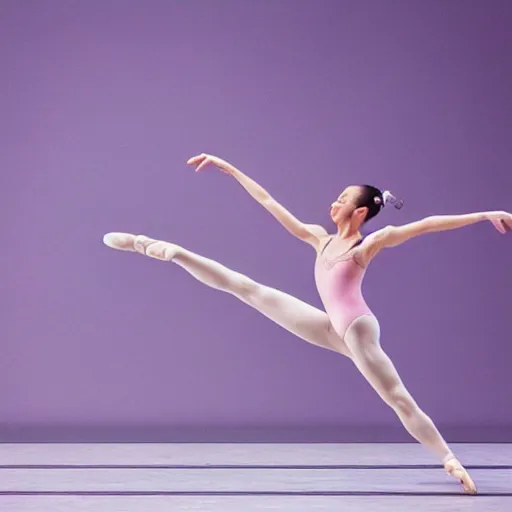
363,341
294,315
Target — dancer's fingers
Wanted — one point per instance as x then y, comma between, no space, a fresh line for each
499,225
203,164
196,159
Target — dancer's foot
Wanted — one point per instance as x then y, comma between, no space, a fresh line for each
454,468
120,241
157,249
160,250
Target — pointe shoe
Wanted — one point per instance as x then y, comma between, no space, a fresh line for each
454,468
128,242
120,241
163,251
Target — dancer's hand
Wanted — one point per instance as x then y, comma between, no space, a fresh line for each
202,160
502,221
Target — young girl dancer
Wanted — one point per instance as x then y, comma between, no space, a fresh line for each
347,326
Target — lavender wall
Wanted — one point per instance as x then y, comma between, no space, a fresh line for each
103,101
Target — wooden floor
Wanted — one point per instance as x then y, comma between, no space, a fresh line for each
248,477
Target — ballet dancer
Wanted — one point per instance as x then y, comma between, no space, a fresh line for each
347,326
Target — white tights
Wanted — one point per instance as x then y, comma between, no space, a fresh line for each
361,341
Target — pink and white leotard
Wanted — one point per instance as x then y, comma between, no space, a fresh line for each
339,283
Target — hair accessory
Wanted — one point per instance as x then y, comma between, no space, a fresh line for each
389,198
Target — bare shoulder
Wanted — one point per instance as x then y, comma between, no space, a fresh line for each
372,244
319,236
378,236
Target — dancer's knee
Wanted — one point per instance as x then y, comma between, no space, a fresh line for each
244,288
256,294
401,402
251,292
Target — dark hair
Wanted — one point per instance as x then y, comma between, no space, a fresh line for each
374,199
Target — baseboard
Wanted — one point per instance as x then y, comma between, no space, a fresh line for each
218,434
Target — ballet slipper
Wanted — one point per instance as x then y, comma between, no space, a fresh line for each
160,250
454,468
150,247
128,242
142,243
120,241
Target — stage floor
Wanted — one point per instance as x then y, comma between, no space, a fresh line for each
248,477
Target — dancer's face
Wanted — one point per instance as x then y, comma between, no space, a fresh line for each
346,207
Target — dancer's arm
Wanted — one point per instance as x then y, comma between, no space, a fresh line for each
391,236
309,233
396,235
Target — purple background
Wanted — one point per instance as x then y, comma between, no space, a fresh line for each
101,104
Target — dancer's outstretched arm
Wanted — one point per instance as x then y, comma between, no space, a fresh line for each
309,233
391,236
